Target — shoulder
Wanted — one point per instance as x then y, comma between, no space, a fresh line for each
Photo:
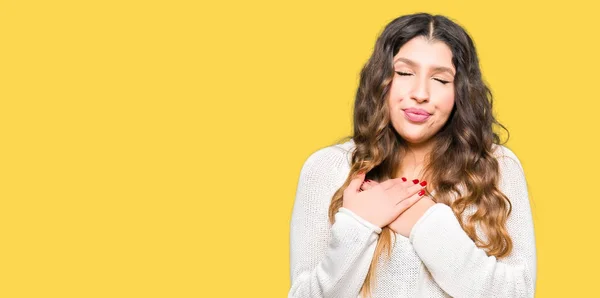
505,155
512,174
329,160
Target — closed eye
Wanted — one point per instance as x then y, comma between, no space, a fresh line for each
442,81
409,74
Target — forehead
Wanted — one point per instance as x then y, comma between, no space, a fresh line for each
425,53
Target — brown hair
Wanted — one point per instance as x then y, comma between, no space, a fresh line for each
463,154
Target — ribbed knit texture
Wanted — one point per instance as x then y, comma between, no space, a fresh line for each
437,260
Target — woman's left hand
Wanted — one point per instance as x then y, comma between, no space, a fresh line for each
404,223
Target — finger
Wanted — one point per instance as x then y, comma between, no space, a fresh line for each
414,187
391,182
368,184
403,205
401,193
372,182
403,189
417,185
355,183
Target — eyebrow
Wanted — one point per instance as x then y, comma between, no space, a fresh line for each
436,68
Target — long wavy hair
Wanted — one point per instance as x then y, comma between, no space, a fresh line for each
463,153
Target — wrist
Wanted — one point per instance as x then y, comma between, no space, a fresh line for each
360,219
405,222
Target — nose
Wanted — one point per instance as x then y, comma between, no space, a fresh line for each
420,91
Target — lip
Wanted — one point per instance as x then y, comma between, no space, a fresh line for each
417,111
416,115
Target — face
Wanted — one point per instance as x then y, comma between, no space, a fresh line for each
421,96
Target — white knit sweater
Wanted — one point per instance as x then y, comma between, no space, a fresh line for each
438,259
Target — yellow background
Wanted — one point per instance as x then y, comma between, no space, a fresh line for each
153,148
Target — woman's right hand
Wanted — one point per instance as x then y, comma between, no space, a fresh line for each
383,203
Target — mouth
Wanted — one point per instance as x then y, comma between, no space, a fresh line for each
417,117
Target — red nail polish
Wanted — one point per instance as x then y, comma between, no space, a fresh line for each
416,181
421,192
423,183
403,179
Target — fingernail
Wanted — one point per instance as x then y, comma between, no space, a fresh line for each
423,183
421,192
416,181
403,179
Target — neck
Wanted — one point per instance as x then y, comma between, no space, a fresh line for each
414,161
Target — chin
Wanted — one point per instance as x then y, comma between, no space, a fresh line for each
414,139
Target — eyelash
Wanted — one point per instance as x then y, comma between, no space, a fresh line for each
408,74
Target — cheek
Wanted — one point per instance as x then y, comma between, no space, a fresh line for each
398,89
446,102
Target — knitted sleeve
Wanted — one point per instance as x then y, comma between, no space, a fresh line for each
327,260
462,269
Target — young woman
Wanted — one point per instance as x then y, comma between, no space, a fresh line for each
423,200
